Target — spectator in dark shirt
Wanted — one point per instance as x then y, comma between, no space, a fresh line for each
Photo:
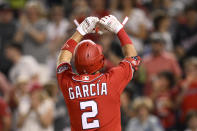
161,26
186,34
188,88
161,95
7,30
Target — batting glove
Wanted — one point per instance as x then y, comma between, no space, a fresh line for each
87,25
111,23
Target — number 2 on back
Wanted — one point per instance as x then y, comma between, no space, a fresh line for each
86,115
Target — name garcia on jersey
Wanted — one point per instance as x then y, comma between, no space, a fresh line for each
87,90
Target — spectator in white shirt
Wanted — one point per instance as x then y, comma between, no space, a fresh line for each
56,35
137,25
24,66
36,115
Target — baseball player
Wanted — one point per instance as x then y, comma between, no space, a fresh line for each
92,97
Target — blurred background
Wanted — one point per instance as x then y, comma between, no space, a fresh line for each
161,96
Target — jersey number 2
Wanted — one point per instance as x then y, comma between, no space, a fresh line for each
86,115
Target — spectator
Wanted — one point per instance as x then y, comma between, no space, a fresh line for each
80,10
137,25
153,6
19,98
188,88
111,50
56,34
186,34
161,25
7,30
37,116
161,95
191,120
24,66
144,121
57,28
20,93
5,116
99,8
126,112
32,31
159,60
5,87
61,120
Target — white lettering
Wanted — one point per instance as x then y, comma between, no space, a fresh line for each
104,89
78,92
71,94
91,93
88,90
97,88
85,90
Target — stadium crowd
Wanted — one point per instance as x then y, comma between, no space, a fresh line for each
161,96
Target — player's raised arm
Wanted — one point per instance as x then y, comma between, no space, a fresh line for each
112,24
67,50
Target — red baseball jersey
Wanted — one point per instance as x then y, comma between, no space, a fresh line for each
93,101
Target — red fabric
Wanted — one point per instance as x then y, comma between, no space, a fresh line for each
135,61
124,38
165,114
35,87
189,99
164,62
156,64
108,105
4,111
70,45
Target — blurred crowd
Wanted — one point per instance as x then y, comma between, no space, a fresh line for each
161,96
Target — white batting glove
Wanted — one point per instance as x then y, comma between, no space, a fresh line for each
87,25
111,23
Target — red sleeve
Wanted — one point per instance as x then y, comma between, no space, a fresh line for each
121,75
4,109
64,70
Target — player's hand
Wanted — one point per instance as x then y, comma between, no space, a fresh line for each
87,25
111,23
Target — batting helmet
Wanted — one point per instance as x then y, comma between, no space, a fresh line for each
88,57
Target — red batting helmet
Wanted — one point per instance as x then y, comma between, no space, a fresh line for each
88,57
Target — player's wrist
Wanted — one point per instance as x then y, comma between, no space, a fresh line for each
118,28
123,37
69,45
